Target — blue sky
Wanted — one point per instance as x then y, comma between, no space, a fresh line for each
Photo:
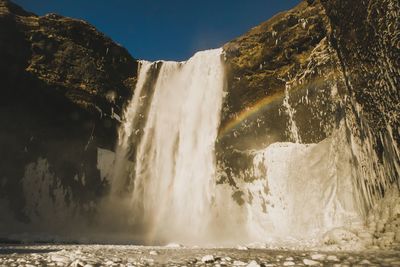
166,29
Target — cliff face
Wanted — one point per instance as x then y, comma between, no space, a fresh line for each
267,57
305,72
284,84
63,86
367,40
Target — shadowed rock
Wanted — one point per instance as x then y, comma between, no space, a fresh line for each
63,88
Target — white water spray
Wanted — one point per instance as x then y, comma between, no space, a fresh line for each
174,161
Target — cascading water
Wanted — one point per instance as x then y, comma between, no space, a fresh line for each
174,166
165,170
293,131
133,114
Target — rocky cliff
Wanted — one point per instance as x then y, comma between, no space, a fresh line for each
284,84
301,74
63,87
366,36
321,70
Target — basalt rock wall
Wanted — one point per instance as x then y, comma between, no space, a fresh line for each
366,36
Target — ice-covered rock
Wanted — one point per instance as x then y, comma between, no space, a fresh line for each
332,258
253,263
228,259
365,262
383,221
60,258
288,263
153,253
77,263
239,263
343,238
208,259
318,256
310,262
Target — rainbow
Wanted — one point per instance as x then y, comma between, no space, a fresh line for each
261,104
249,111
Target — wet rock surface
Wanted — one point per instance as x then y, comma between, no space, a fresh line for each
125,255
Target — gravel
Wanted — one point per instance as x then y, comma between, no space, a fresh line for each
129,255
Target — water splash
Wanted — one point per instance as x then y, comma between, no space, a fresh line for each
174,166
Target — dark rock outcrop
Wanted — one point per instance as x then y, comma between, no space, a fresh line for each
63,87
366,36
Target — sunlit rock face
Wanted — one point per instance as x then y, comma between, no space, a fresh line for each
284,84
63,85
300,75
291,48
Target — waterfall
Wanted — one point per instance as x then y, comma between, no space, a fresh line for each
165,172
171,176
292,130
133,114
